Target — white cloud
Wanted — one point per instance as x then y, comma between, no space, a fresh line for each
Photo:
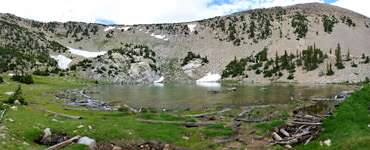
141,11
359,6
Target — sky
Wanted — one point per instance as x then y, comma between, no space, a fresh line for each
148,11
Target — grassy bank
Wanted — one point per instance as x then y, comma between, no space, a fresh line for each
116,126
348,127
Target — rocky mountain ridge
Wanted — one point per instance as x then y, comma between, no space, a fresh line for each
239,36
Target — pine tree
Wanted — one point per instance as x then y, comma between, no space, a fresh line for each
329,70
348,57
338,56
366,80
277,61
367,60
16,96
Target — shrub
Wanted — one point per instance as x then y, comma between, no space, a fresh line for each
367,80
144,111
122,109
16,96
1,80
219,107
27,79
290,77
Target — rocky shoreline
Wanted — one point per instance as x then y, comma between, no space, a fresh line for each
78,97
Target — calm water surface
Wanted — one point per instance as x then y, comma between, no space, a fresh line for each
195,95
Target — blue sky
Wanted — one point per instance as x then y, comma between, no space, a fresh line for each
148,11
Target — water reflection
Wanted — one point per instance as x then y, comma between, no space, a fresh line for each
195,95
208,84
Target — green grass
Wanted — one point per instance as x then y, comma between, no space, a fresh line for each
267,126
348,128
213,133
30,123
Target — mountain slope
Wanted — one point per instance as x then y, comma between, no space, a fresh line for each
221,40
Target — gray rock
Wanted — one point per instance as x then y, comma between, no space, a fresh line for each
17,102
87,141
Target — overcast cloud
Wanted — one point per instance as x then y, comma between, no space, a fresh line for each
145,11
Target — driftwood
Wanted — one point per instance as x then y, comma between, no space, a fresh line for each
276,136
258,120
308,140
320,99
288,146
211,113
132,109
225,141
64,143
285,142
67,116
301,134
75,109
223,91
285,133
307,123
246,111
2,115
309,117
187,124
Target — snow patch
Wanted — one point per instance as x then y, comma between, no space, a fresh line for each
86,54
159,80
191,27
63,61
210,78
162,37
109,28
124,28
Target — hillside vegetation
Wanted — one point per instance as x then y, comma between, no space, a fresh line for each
303,41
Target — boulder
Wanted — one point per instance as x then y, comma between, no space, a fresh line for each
17,102
87,141
14,108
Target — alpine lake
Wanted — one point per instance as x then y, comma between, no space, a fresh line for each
202,95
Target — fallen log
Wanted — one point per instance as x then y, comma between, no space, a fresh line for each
285,133
301,134
187,124
246,111
288,146
2,115
307,123
225,141
67,116
285,142
223,90
132,109
308,140
309,117
211,113
75,109
64,143
276,136
321,99
258,120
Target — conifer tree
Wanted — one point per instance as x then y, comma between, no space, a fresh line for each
329,70
338,56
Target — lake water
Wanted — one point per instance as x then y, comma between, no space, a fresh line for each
196,95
